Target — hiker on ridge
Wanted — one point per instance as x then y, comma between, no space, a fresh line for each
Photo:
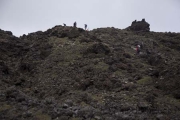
75,24
64,25
85,26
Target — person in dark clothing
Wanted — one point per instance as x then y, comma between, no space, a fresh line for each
85,26
64,25
143,20
133,22
142,45
75,24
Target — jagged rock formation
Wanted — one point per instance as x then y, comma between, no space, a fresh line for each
139,26
67,73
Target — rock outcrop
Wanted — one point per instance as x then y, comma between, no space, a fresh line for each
142,26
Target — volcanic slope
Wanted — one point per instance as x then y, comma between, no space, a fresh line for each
68,73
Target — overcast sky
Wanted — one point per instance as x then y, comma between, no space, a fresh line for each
25,16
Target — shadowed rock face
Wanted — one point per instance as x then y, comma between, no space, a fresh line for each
67,73
139,26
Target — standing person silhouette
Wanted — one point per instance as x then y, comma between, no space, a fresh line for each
75,24
85,26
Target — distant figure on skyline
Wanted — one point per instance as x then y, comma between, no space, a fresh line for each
133,22
74,24
85,26
64,25
143,20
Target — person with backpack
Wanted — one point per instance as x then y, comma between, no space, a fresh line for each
142,45
138,49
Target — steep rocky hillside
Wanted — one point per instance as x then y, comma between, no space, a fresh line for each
68,73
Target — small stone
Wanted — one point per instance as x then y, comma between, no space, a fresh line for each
97,118
159,117
69,102
143,106
65,105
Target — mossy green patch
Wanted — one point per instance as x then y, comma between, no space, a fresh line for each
129,98
166,101
145,80
169,100
63,64
41,116
5,107
56,42
83,104
65,50
99,98
102,66
118,73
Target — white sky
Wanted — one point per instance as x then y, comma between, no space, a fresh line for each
25,16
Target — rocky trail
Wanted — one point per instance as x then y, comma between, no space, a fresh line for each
68,73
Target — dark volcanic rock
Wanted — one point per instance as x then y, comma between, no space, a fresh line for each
139,26
5,33
69,73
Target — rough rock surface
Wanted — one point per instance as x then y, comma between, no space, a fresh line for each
142,26
67,73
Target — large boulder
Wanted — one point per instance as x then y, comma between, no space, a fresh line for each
139,26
